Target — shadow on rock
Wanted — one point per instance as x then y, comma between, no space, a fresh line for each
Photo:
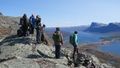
3,60
14,39
33,56
43,55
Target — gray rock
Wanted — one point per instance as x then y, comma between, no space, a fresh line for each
19,63
42,56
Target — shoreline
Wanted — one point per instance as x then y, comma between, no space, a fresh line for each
103,56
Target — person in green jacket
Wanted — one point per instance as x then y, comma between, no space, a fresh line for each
58,41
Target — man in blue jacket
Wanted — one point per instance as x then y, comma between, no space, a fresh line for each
32,24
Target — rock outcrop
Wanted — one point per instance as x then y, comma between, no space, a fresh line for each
8,25
24,54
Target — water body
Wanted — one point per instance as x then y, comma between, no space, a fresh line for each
113,47
85,37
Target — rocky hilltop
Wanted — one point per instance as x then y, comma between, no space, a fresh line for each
103,28
21,53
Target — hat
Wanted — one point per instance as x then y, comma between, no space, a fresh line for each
57,29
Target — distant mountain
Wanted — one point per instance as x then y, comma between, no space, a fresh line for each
68,29
74,28
97,25
103,28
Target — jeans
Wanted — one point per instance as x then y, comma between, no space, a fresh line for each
57,51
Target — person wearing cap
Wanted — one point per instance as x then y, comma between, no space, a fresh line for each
24,25
58,41
74,42
38,29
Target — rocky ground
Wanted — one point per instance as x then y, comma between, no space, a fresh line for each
20,52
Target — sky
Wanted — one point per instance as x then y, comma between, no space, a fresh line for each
61,13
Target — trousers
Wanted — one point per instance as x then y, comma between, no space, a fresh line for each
57,51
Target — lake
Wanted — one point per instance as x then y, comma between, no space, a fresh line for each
113,47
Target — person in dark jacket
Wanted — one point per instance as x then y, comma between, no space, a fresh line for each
58,41
38,20
24,25
38,29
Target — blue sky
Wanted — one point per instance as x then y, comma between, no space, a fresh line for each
65,12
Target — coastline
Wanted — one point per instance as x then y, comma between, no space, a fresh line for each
103,56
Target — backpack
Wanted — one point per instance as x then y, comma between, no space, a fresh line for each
57,37
72,39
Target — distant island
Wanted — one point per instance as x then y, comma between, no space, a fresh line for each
103,28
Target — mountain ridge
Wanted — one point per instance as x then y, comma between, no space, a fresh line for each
96,27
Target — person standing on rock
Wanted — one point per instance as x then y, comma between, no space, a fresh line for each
58,41
32,24
43,37
24,25
74,41
38,29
